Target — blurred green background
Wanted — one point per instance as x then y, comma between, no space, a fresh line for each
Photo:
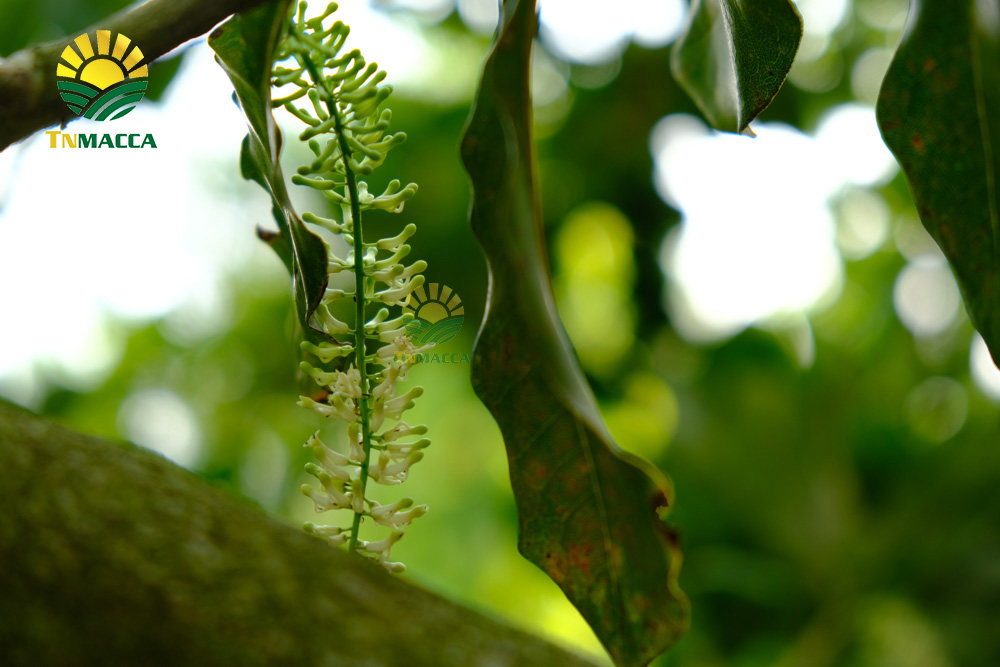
836,468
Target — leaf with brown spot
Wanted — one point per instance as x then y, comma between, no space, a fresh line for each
939,112
588,512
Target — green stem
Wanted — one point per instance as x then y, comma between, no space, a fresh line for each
359,291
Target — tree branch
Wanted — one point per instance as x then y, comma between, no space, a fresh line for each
111,555
29,100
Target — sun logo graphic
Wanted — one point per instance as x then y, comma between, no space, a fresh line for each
101,84
437,314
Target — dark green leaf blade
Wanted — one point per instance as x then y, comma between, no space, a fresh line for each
588,512
244,47
939,113
734,55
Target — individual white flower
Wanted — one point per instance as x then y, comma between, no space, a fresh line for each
389,335
401,347
322,378
393,568
402,450
333,294
388,472
335,264
355,449
397,275
322,408
326,456
335,535
349,383
383,328
393,409
377,322
329,476
402,430
384,545
331,498
358,499
388,384
378,511
400,519
323,531
333,477
370,257
396,257
393,244
345,409
396,295
325,352
332,225
327,322
364,197
393,198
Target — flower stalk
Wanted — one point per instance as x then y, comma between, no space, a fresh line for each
338,96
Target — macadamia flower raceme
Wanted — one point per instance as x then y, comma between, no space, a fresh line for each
338,96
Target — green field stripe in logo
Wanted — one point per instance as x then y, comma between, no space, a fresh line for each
444,330
98,109
74,99
74,87
424,332
417,327
122,113
107,110
75,109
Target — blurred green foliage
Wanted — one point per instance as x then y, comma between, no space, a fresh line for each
844,512
26,23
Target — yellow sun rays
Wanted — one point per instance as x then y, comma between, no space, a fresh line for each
435,304
105,67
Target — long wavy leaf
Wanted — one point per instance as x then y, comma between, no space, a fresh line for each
589,513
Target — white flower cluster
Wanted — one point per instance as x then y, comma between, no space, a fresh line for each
344,96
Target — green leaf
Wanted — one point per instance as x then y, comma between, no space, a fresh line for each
244,46
733,57
589,514
939,112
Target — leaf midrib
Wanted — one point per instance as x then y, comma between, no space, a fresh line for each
583,436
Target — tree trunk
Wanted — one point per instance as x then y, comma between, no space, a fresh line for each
111,555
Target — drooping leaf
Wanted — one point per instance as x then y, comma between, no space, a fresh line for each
734,55
589,513
244,46
939,112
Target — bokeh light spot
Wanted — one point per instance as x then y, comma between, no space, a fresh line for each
936,409
926,297
862,223
593,285
159,419
592,31
757,237
984,371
